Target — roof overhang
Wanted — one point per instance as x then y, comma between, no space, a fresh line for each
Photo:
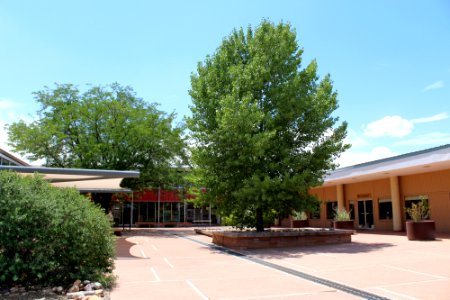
13,158
85,180
430,160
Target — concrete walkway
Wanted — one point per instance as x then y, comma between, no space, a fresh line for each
178,264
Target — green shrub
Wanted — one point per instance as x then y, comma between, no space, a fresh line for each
341,214
419,211
239,220
50,235
300,215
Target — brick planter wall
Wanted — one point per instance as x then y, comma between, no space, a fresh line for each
343,225
278,239
299,223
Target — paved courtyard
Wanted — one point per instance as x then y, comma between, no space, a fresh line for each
178,264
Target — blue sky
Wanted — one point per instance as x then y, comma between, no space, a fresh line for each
389,60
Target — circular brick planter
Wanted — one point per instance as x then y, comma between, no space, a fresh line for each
300,223
280,238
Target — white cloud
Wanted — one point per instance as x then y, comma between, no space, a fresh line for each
393,126
434,138
3,137
438,117
436,85
354,139
7,104
350,158
12,117
397,126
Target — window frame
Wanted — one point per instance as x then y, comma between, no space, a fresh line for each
331,210
388,215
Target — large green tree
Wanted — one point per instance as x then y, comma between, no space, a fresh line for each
101,128
262,128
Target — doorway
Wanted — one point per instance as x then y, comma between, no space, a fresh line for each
365,213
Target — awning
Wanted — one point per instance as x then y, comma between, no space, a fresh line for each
85,180
428,160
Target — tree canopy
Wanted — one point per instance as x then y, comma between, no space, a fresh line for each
101,128
262,128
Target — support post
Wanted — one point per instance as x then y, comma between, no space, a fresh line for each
121,212
340,196
395,198
209,213
131,210
159,204
185,211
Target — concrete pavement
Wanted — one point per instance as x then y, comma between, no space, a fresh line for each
178,264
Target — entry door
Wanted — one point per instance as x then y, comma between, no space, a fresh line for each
365,213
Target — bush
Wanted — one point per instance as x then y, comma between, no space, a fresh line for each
244,220
50,235
341,215
419,211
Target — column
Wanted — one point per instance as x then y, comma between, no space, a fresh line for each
159,205
340,196
131,211
395,198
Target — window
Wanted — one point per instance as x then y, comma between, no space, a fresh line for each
5,161
331,206
351,207
385,209
409,201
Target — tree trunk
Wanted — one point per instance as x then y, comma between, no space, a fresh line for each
259,220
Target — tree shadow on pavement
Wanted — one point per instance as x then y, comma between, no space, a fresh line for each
297,252
123,247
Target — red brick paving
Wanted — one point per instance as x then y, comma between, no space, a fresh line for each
156,264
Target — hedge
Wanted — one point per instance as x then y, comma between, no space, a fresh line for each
51,235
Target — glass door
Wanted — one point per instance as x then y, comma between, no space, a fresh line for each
365,213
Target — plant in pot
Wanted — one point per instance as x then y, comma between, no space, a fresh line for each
300,219
342,219
300,214
420,227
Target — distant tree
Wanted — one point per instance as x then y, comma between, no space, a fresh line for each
102,128
262,128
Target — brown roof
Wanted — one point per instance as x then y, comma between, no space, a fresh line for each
13,158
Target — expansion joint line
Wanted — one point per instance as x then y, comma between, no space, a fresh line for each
338,286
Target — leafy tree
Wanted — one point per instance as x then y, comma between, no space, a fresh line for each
262,127
102,128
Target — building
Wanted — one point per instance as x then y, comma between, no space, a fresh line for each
378,192
100,184
148,208
163,208
7,159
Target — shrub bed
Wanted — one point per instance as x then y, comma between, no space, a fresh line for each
50,235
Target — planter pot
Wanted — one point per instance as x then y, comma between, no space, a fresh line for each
421,231
343,225
299,223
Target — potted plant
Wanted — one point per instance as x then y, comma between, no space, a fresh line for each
420,228
342,219
300,219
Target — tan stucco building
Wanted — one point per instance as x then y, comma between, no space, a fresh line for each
377,192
